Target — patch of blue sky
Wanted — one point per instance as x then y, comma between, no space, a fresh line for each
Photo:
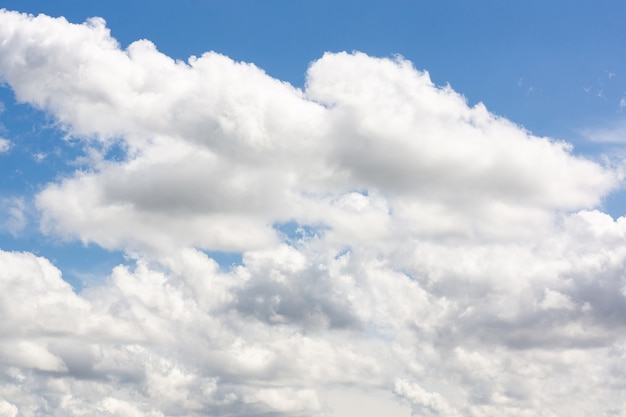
81,265
40,153
293,232
343,252
614,204
226,260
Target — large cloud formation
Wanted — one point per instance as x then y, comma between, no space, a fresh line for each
393,238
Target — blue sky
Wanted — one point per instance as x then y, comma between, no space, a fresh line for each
358,211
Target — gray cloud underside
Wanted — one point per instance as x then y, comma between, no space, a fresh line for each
453,259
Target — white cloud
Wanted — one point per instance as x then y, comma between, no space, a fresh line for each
7,409
445,254
39,156
5,145
424,403
470,322
555,300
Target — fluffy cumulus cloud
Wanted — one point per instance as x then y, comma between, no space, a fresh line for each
393,238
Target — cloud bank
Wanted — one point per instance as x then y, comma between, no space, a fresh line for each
393,238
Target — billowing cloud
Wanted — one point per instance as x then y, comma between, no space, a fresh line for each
393,238
217,150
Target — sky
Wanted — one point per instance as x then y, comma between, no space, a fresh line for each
312,208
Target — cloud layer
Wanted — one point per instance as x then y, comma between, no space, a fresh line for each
393,238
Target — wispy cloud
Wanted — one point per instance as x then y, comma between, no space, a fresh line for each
14,213
612,134
5,145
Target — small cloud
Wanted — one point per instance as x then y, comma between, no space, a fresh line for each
622,102
5,145
39,156
611,75
595,92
